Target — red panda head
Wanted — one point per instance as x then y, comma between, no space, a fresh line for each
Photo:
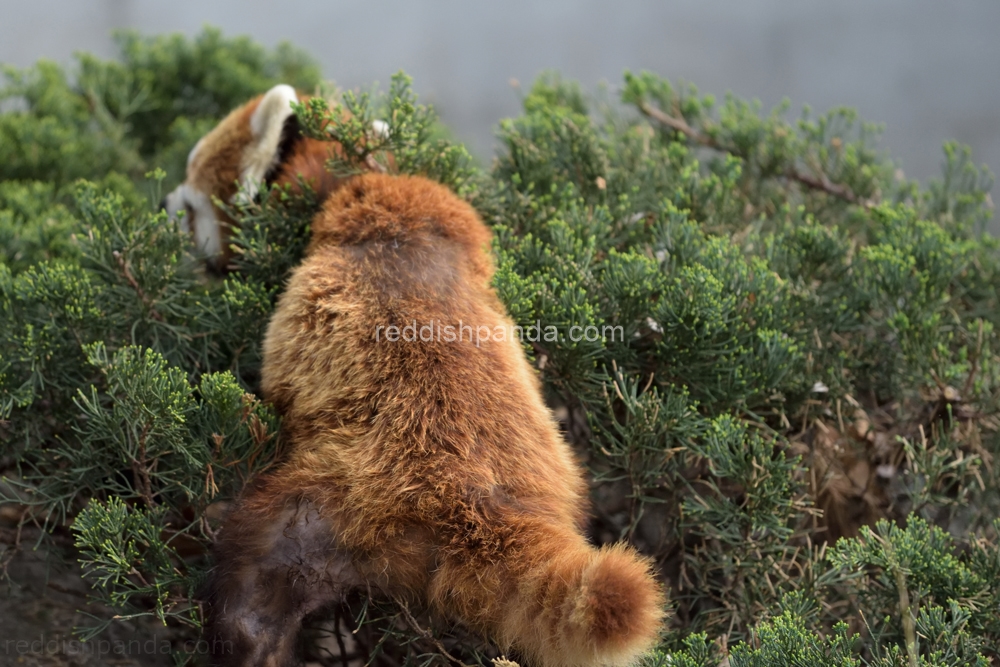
254,146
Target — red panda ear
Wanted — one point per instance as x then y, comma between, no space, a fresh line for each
263,152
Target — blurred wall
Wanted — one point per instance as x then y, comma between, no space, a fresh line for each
929,70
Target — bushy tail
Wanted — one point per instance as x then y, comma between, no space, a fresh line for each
535,586
587,608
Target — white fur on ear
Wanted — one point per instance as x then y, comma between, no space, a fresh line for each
381,129
266,124
274,108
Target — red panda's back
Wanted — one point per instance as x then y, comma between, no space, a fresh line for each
396,365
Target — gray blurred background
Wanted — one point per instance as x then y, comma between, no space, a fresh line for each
928,69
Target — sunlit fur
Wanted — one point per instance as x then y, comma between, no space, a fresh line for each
430,471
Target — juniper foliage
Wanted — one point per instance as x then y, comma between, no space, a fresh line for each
784,377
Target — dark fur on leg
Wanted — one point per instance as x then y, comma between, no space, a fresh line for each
277,562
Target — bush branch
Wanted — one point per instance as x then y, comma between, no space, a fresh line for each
123,265
821,182
427,634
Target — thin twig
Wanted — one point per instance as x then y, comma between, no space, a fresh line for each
821,183
141,471
63,589
680,125
428,635
338,614
15,546
974,364
123,265
905,610
374,165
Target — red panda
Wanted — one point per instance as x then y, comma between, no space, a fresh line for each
430,471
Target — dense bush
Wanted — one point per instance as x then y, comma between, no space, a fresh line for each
797,418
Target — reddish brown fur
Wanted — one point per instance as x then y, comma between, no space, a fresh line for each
430,470
307,160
